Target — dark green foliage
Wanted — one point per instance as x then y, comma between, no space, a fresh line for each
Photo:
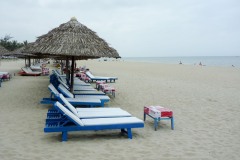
11,45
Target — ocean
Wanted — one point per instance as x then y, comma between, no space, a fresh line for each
224,61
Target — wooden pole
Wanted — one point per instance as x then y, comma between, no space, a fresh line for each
61,63
67,71
72,75
29,61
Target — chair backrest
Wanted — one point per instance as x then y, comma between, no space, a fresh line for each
65,92
63,82
57,72
89,74
75,119
28,70
35,67
54,72
25,70
69,106
53,89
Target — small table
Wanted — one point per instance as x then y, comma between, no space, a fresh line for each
159,113
98,84
107,89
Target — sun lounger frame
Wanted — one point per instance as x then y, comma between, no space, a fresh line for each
68,125
95,78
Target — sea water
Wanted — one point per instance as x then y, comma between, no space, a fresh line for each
225,61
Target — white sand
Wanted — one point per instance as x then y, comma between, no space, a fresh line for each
205,101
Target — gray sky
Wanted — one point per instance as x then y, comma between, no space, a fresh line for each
136,28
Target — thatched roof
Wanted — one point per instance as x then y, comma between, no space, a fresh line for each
17,52
3,50
72,39
20,53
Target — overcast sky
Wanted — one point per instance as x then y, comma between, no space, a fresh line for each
135,28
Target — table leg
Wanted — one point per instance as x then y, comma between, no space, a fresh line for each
155,123
172,123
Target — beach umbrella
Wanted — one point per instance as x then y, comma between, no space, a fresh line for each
3,51
72,41
19,53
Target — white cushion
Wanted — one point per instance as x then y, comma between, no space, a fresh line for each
111,121
53,89
103,114
73,109
89,74
102,97
99,109
90,100
69,114
66,92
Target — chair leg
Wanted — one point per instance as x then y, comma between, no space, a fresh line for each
172,123
64,136
144,116
155,123
129,131
102,104
123,131
113,93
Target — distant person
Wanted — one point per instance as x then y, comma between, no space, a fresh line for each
180,62
200,64
233,66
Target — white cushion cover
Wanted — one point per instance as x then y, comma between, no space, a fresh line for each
53,89
70,114
103,114
110,121
99,109
73,109
66,92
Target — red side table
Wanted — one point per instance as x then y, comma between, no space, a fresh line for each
159,113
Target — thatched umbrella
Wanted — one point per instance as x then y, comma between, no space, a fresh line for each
3,51
18,53
72,40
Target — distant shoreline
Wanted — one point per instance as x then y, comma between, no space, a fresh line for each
221,61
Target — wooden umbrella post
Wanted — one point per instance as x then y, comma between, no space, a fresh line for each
72,75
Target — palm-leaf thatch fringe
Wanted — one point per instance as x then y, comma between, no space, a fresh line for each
3,50
72,39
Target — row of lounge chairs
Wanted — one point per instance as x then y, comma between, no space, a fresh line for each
85,95
27,71
77,100
64,117
34,70
89,77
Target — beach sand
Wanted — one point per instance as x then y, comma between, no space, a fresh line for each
205,101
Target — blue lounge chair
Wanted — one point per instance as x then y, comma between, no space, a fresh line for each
64,91
78,87
73,123
99,78
26,71
77,81
91,101
59,77
54,114
68,94
99,95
